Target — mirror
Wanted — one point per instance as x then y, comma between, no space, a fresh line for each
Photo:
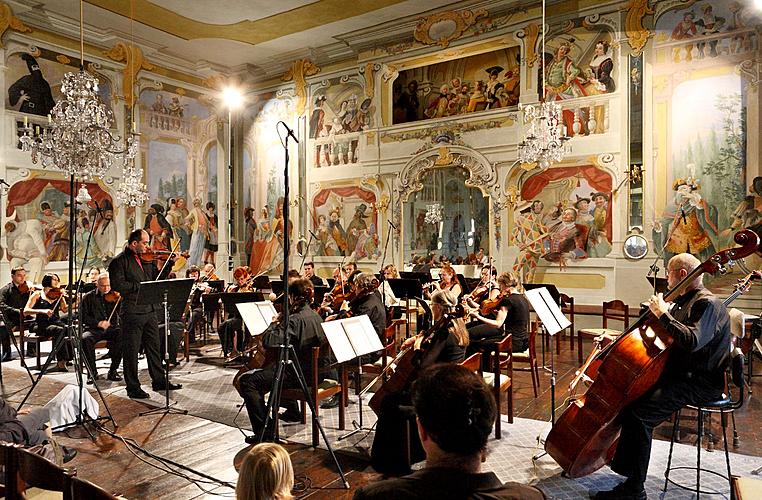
635,246
446,217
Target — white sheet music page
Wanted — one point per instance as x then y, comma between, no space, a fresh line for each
257,315
362,335
547,310
337,338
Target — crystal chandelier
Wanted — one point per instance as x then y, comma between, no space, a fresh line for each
78,140
433,213
131,190
543,143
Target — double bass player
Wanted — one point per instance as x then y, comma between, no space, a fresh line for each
699,324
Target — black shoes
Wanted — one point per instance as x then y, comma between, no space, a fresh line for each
291,416
90,380
68,454
113,376
331,402
138,394
162,387
623,491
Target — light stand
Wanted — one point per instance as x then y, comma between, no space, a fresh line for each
286,353
232,99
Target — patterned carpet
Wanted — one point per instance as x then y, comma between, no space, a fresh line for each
208,393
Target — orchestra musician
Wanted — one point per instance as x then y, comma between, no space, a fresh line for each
101,322
448,280
45,304
139,322
487,288
309,273
448,346
195,310
508,313
366,299
231,330
699,324
209,272
304,327
390,273
13,298
350,272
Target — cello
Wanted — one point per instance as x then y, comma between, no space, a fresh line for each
584,437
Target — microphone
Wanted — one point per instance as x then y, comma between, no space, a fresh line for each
290,132
392,224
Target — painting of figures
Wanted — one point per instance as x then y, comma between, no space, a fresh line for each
459,86
340,112
345,221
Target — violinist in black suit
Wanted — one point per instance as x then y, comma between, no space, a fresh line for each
139,323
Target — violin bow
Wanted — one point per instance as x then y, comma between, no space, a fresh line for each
169,257
114,309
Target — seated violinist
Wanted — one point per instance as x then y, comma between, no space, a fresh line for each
447,344
195,313
45,304
101,322
487,288
231,330
364,298
508,313
13,298
304,326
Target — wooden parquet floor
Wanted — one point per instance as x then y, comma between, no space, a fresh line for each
211,447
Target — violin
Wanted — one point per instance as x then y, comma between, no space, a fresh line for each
488,306
112,297
152,255
23,288
54,293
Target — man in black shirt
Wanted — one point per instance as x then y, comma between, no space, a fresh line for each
455,412
369,302
101,323
699,325
12,303
309,273
306,332
139,322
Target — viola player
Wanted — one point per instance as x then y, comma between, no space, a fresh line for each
13,298
101,322
140,325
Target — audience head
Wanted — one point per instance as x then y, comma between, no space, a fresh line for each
266,473
455,410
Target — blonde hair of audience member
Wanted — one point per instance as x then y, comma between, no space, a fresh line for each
266,474
445,300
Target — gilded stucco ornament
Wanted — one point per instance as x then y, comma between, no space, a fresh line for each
369,72
750,70
300,70
10,22
637,34
134,63
529,35
444,27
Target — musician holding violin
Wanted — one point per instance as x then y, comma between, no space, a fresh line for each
231,330
306,332
699,324
507,313
194,311
101,322
45,304
13,298
445,342
139,323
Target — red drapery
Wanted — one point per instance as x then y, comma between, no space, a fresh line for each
24,192
345,192
598,179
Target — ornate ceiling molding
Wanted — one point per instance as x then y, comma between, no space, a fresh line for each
135,62
529,36
444,27
9,21
300,70
637,34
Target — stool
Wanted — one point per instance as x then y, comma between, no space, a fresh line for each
724,407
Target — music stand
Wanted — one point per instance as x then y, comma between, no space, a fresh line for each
257,316
170,293
659,285
556,296
351,338
553,321
318,294
262,282
407,289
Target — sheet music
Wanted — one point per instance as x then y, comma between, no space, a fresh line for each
352,337
337,338
547,310
257,315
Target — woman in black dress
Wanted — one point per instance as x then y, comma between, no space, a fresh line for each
45,305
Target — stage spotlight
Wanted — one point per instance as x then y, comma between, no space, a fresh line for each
232,97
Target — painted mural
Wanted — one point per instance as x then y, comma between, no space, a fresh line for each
566,217
459,86
175,128
340,112
38,230
699,101
345,221
265,174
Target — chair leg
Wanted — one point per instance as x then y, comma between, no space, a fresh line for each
579,348
497,402
736,439
698,452
727,454
342,423
536,373
315,438
675,427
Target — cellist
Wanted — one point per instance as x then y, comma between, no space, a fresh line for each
448,345
699,324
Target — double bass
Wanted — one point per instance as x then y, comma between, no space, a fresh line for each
584,437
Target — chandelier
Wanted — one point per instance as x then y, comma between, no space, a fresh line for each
433,213
78,140
131,190
543,143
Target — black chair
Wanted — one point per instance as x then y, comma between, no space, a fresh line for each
724,407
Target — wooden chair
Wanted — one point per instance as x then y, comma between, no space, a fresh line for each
389,341
501,359
85,489
529,357
614,310
25,470
473,362
318,394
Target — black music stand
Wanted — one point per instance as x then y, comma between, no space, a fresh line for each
556,295
408,289
658,284
319,293
170,293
